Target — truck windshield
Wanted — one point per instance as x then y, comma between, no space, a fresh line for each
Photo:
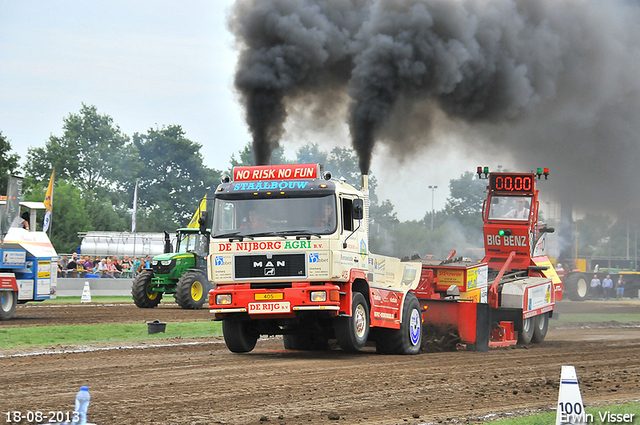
247,217
509,207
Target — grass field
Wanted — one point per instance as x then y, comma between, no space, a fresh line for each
46,336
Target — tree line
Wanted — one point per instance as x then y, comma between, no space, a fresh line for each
97,168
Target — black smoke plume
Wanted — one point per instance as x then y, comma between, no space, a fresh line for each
550,82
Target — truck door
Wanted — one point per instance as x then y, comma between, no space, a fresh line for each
353,233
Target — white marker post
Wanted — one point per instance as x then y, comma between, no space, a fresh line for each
570,407
86,293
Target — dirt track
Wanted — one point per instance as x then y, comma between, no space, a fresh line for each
200,382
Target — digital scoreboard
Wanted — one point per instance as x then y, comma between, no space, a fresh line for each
512,183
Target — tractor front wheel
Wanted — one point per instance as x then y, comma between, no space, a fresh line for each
8,303
192,290
141,291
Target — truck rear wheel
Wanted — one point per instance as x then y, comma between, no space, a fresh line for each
352,332
8,303
239,335
141,292
577,287
540,327
407,339
528,327
192,290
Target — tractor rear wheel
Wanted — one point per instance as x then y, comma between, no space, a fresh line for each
540,327
8,303
352,332
239,335
141,291
528,327
577,287
192,290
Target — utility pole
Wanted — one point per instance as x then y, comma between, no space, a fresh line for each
433,189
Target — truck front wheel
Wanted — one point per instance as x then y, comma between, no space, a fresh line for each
141,291
8,303
540,327
192,290
352,332
239,335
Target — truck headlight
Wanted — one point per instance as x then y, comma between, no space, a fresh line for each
223,299
318,296
165,262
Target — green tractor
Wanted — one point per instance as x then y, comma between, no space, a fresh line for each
182,273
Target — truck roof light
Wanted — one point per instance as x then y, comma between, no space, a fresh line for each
225,178
504,232
327,175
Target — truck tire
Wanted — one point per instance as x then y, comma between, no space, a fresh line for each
407,339
140,291
8,303
239,335
305,342
352,332
540,328
528,327
192,290
577,287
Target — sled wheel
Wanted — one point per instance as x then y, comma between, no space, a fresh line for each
528,326
239,335
8,303
192,290
352,332
540,327
141,291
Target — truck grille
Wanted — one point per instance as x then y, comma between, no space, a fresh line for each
270,267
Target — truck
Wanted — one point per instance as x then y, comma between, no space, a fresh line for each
181,272
303,269
28,260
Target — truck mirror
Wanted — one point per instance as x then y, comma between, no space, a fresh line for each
202,221
358,209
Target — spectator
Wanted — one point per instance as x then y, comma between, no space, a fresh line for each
62,266
117,265
595,286
137,266
607,287
97,262
88,264
126,266
620,288
72,266
102,268
111,269
147,262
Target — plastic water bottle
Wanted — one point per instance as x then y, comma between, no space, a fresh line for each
82,404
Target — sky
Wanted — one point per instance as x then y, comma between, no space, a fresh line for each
153,63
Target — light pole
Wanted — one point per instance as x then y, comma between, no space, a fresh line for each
433,189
